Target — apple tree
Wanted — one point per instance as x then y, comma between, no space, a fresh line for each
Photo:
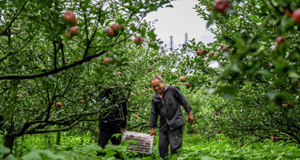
58,56
256,47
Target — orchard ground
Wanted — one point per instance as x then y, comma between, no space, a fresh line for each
197,146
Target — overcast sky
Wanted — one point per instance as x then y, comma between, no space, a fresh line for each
177,21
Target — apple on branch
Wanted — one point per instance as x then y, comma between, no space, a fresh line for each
138,40
296,15
110,32
222,5
116,28
279,40
74,30
58,104
182,78
187,84
200,52
107,60
70,17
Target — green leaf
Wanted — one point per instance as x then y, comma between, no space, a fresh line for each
151,34
32,155
170,6
294,74
227,92
207,158
4,150
10,157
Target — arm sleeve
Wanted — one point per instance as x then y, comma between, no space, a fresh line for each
182,101
125,112
153,115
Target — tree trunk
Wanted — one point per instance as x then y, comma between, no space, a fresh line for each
9,143
58,135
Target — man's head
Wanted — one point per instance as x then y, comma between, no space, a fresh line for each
157,84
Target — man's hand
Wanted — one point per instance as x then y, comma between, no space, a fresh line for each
190,117
123,130
152,132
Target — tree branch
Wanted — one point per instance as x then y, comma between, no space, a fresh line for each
42,74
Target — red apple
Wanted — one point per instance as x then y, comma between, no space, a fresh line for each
222,5
225,48
149,69
120,73
187,84
288,105
138,40
68,34
182,78
211,54
58,104
74,30
69,16
122,26
81,101
278,131
200,52
110,32
216,113
63,42
242,144
221,111
107,60
250,5
280,39
296,15
115,27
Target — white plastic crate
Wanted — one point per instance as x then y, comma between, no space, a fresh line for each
144,142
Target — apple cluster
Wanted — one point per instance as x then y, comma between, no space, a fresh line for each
70,18
114,29
182,79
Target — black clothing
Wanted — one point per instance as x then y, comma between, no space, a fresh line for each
113,118
168,107
103,139
171,119
116,116
105,136
172,137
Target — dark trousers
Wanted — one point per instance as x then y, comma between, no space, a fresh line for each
105,136
172,138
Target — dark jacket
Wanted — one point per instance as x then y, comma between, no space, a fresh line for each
168,108
114,118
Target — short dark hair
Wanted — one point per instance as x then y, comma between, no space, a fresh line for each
156,77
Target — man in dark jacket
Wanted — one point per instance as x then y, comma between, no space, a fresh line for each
166,103
113,118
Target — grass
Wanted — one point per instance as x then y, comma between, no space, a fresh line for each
195,147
